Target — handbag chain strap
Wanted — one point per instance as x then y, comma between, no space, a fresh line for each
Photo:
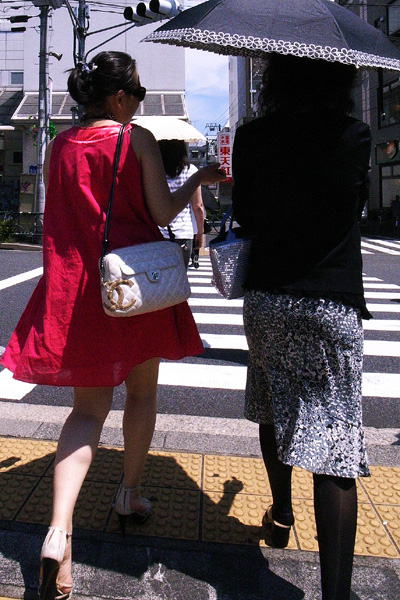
111,196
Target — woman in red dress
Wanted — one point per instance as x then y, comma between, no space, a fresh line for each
64,337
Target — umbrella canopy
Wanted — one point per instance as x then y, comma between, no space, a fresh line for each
170,128
312,28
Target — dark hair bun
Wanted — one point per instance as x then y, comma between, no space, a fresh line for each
90,83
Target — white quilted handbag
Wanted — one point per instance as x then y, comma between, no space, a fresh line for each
142,278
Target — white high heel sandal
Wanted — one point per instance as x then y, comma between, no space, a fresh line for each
123,507
51,558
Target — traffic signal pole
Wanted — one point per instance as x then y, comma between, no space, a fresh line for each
43,113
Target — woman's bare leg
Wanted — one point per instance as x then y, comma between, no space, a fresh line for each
76,448
139,419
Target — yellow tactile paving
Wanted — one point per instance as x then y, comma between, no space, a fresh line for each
38,507
248,475
304,524
93,505
233,519
175,514
28,457
228,495
371,538
302,484
390,516
107,465
173,470
383,487
14,489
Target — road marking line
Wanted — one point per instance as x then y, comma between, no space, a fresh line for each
383,295
224,342
218,319
365,252
216,302
371,278
204,290
11,389
379,249
384,308
239,342
199,280
381,385
382,325
381,348
203,376
387,243
382,286
6,283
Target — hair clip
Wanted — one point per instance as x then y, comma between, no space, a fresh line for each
86,67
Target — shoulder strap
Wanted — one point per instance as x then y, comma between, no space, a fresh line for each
111,196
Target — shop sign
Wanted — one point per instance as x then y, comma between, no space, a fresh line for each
388,152
225,153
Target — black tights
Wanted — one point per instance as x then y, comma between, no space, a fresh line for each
335,507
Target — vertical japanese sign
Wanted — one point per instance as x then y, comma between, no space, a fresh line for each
225,153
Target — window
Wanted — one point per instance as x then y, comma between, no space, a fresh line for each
394,18
17,158
390,103
17,78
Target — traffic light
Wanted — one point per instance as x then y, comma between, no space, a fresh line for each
156,10
166,8
50,3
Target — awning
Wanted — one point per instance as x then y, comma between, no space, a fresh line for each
155,104
9,101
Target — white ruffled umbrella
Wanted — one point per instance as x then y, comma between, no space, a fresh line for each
170,128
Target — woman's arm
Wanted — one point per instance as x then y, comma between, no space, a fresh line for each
198,211
164,206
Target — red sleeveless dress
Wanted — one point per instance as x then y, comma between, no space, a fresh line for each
64,337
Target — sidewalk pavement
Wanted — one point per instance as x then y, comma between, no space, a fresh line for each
209,490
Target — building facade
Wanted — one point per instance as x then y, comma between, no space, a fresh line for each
161,69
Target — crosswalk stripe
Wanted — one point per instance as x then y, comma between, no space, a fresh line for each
371,278
218,319
379,248
384,308
239,342
381,348
224,342
10,281
216,302
203,376
205,290
381,385
382,325
387,243
381,286
199,280
383,295
11,389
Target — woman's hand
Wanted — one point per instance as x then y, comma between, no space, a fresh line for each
212,174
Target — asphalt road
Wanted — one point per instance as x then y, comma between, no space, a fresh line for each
213,384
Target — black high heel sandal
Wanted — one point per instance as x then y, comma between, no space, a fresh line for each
123,507
279,525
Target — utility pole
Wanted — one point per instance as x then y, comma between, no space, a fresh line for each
81,30
43,114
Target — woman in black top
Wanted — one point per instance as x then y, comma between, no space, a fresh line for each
300,184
